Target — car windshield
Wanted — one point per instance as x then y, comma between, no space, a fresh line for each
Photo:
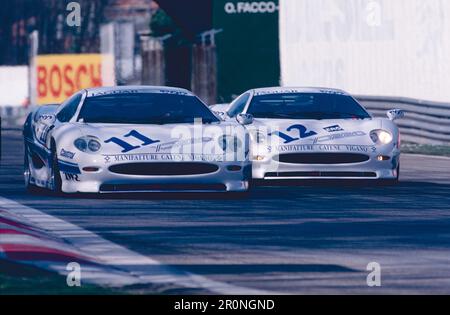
306,106
145,108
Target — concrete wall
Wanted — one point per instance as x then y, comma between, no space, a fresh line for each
383,47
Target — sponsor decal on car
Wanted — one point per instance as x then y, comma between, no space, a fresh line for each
46,117
67,154
334,128
304,133
297,91
326,148
41,132
338,136
163,157
335,92
282,91
115,92
179,144
173,92
71,177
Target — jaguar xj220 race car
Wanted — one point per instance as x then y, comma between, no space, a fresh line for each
317,133
134,139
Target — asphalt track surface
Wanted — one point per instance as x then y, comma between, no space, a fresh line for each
302,239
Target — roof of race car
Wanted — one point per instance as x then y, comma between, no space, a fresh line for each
131,89
285,90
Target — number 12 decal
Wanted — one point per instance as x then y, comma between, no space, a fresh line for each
302,132
127,147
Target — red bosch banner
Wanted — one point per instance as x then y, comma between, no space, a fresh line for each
59,76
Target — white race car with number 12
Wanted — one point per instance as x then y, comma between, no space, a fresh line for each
316,133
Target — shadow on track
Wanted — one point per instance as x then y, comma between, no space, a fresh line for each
274,190
261,268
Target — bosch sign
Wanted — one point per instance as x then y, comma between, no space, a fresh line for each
59,76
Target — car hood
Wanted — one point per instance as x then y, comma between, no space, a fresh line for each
338,131
120,139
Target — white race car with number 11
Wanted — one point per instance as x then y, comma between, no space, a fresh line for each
134,139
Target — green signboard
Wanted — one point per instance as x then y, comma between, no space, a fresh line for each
248,47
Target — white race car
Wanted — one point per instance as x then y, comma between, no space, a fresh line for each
134,139
317,133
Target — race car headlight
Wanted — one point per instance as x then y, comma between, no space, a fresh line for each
381,136
258,137
94,145
81,144
229,143
88,144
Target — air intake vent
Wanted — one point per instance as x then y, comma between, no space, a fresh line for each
322,158
164,169
111,188
322,175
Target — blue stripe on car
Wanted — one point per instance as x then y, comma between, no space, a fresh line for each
68,168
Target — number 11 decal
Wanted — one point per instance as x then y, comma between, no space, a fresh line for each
127,147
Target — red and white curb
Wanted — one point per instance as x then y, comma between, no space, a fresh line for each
32,237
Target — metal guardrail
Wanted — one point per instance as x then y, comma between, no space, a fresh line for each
13,117
425,122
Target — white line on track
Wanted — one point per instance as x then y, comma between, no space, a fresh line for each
119,265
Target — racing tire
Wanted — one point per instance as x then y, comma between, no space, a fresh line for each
27,172
392,182
397,180
55,177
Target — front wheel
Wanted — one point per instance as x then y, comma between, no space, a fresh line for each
27,171
397,178
55,178
392,182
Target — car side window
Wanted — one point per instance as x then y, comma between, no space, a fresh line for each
238,105
69,108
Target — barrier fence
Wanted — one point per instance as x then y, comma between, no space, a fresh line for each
13,117
425,122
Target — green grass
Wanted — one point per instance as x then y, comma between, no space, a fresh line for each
17,279
426,149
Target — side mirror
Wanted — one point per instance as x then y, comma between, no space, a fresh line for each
245,119
221,115
395,114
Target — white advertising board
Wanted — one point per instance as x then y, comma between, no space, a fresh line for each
13,86
368,47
